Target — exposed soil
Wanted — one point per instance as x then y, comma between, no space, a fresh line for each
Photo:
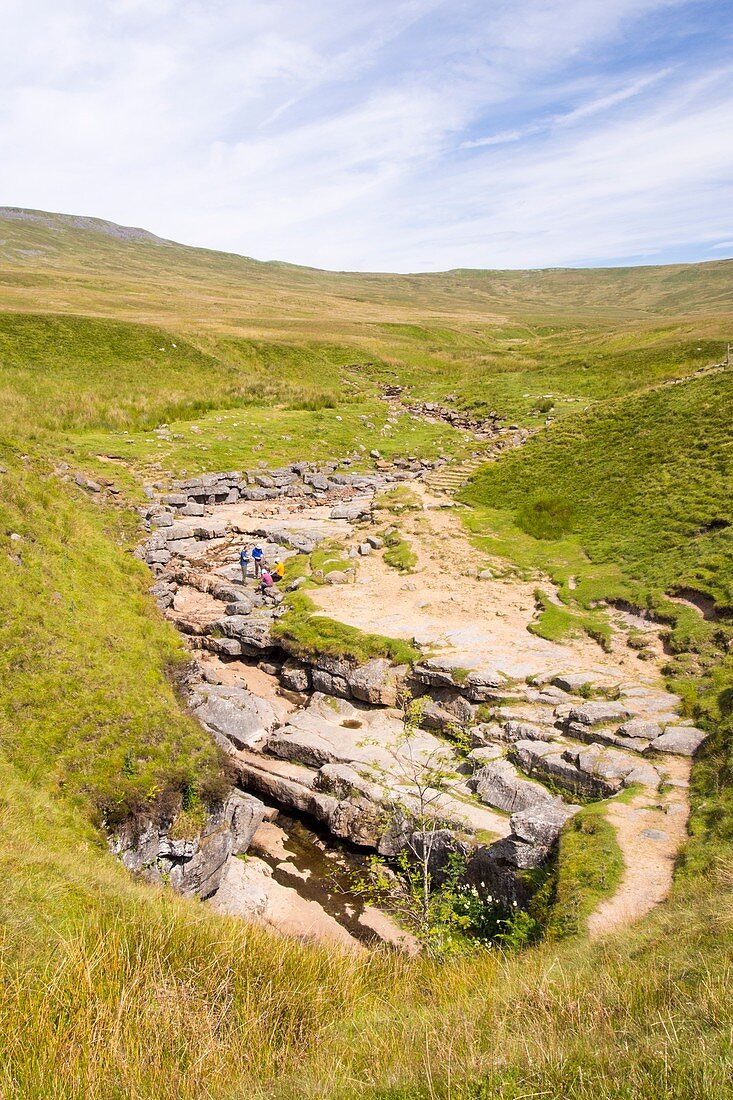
478,621
651,830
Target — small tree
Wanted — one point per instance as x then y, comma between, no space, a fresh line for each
447,915
408,887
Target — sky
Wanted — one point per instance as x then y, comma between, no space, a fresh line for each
386,135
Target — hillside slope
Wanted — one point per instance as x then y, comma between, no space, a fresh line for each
56,254
129,356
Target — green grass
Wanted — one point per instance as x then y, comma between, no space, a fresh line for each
86,701
397,500
109,989
304,632
648,483
324,560
398,553
589,868
557,622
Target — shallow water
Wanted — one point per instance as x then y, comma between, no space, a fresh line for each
326,871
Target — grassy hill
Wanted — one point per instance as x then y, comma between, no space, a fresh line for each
110,989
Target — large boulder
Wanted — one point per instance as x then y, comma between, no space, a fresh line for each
377,682
542,823
499,784
223,647
338,576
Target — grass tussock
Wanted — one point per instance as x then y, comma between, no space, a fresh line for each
398,553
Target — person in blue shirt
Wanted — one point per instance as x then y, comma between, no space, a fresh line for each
244,562
257,558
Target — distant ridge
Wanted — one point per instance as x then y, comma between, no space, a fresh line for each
77,221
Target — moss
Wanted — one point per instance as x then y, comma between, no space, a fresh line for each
306,633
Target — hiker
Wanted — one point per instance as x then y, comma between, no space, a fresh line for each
257,559
266,582
244,563
279,571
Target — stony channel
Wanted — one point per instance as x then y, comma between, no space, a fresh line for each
311,740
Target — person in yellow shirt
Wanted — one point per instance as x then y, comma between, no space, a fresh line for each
279,571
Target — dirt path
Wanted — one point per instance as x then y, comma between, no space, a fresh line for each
651,830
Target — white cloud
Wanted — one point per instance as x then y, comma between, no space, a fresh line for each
400,134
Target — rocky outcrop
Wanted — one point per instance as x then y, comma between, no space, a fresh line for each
500,785
597,772
192,864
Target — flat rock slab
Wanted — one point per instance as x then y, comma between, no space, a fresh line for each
331,731
683,740
234,714
593,714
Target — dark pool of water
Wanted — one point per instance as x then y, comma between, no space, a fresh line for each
330,867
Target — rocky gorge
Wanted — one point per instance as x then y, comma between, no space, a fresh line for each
318,735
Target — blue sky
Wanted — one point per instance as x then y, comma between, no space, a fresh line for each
403,135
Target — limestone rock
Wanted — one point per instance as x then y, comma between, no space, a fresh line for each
329,684
376,682
337,576
235,714
572,681
593,714
485,755
518,853
683,740
526,731
223,647
640,728
245,814
295,677
498,784
483,684
542,823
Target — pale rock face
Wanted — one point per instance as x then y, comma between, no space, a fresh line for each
500,785
542,823
235,714
377,682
